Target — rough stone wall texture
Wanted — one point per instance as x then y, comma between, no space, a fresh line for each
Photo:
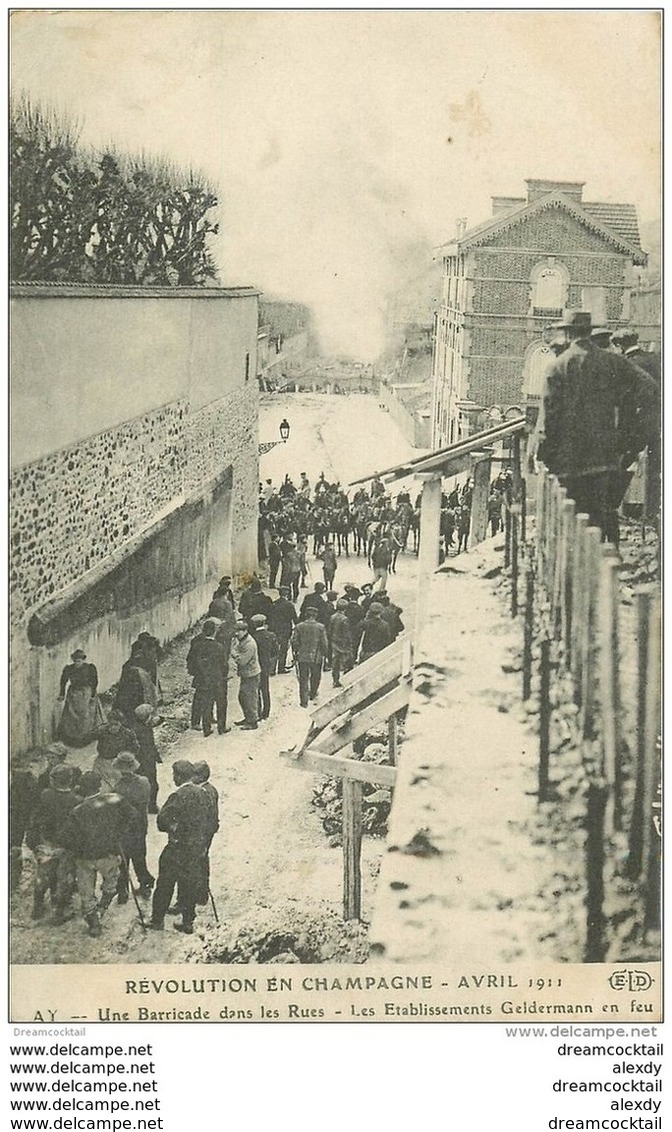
71,509
227,432
81,511
163,582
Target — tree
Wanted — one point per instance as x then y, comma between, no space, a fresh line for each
84,217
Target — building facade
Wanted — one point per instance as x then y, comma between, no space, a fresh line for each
505,279
134,473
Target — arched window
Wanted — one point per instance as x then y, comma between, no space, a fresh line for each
537,361
550,283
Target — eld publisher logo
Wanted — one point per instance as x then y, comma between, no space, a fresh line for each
630,980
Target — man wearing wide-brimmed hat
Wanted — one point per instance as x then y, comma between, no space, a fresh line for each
599,411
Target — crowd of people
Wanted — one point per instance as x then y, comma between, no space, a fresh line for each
87,828
600,409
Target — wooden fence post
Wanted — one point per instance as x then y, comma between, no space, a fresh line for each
652,768
578,602
544,717
636,846
541,516
528,632
352,849
392,739
515,531
595,936
608,653
589,634
569,508
523,515
507,535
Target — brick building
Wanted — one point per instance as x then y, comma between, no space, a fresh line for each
504,279
134,472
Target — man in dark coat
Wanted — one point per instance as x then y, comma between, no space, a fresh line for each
54,864
208,664
376,635
115,737
317,601
267,650
291,569
98,831
201,777
254,600
310,647
340,642
281,622
186,816
24,794
274,559
598,412
147,753
135,789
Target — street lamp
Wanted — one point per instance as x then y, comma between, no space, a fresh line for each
284,430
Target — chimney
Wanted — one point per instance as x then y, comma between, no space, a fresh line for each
571,189
460,227
505,204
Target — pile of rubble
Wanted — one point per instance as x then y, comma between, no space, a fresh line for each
376,800
288,933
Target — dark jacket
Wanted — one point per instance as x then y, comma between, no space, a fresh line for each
135,789
82,676
597,407
309,642
376,636
52,812
318,602
101,826
252,602
340,633
267,648
187,817
208,663
113,738
282,618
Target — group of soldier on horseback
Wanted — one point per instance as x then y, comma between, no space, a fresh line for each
371,523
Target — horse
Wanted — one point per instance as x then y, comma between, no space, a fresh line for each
343,523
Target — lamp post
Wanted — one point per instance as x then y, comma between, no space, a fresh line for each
267,445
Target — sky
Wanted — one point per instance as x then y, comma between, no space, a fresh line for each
345,144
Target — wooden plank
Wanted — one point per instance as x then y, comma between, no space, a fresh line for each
652,724
578,596
363,681
589,637
338,766
352,849
392,738
381,709
428,554
479,501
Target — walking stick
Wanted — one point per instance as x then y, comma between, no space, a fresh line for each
214,906
135,899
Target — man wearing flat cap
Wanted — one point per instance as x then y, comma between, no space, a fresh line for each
267,652
598,412
281,622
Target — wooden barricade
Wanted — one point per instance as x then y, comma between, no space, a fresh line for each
372,692
572,594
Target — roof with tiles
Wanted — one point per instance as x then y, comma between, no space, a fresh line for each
616,222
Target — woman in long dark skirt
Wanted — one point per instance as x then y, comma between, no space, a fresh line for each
82,715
